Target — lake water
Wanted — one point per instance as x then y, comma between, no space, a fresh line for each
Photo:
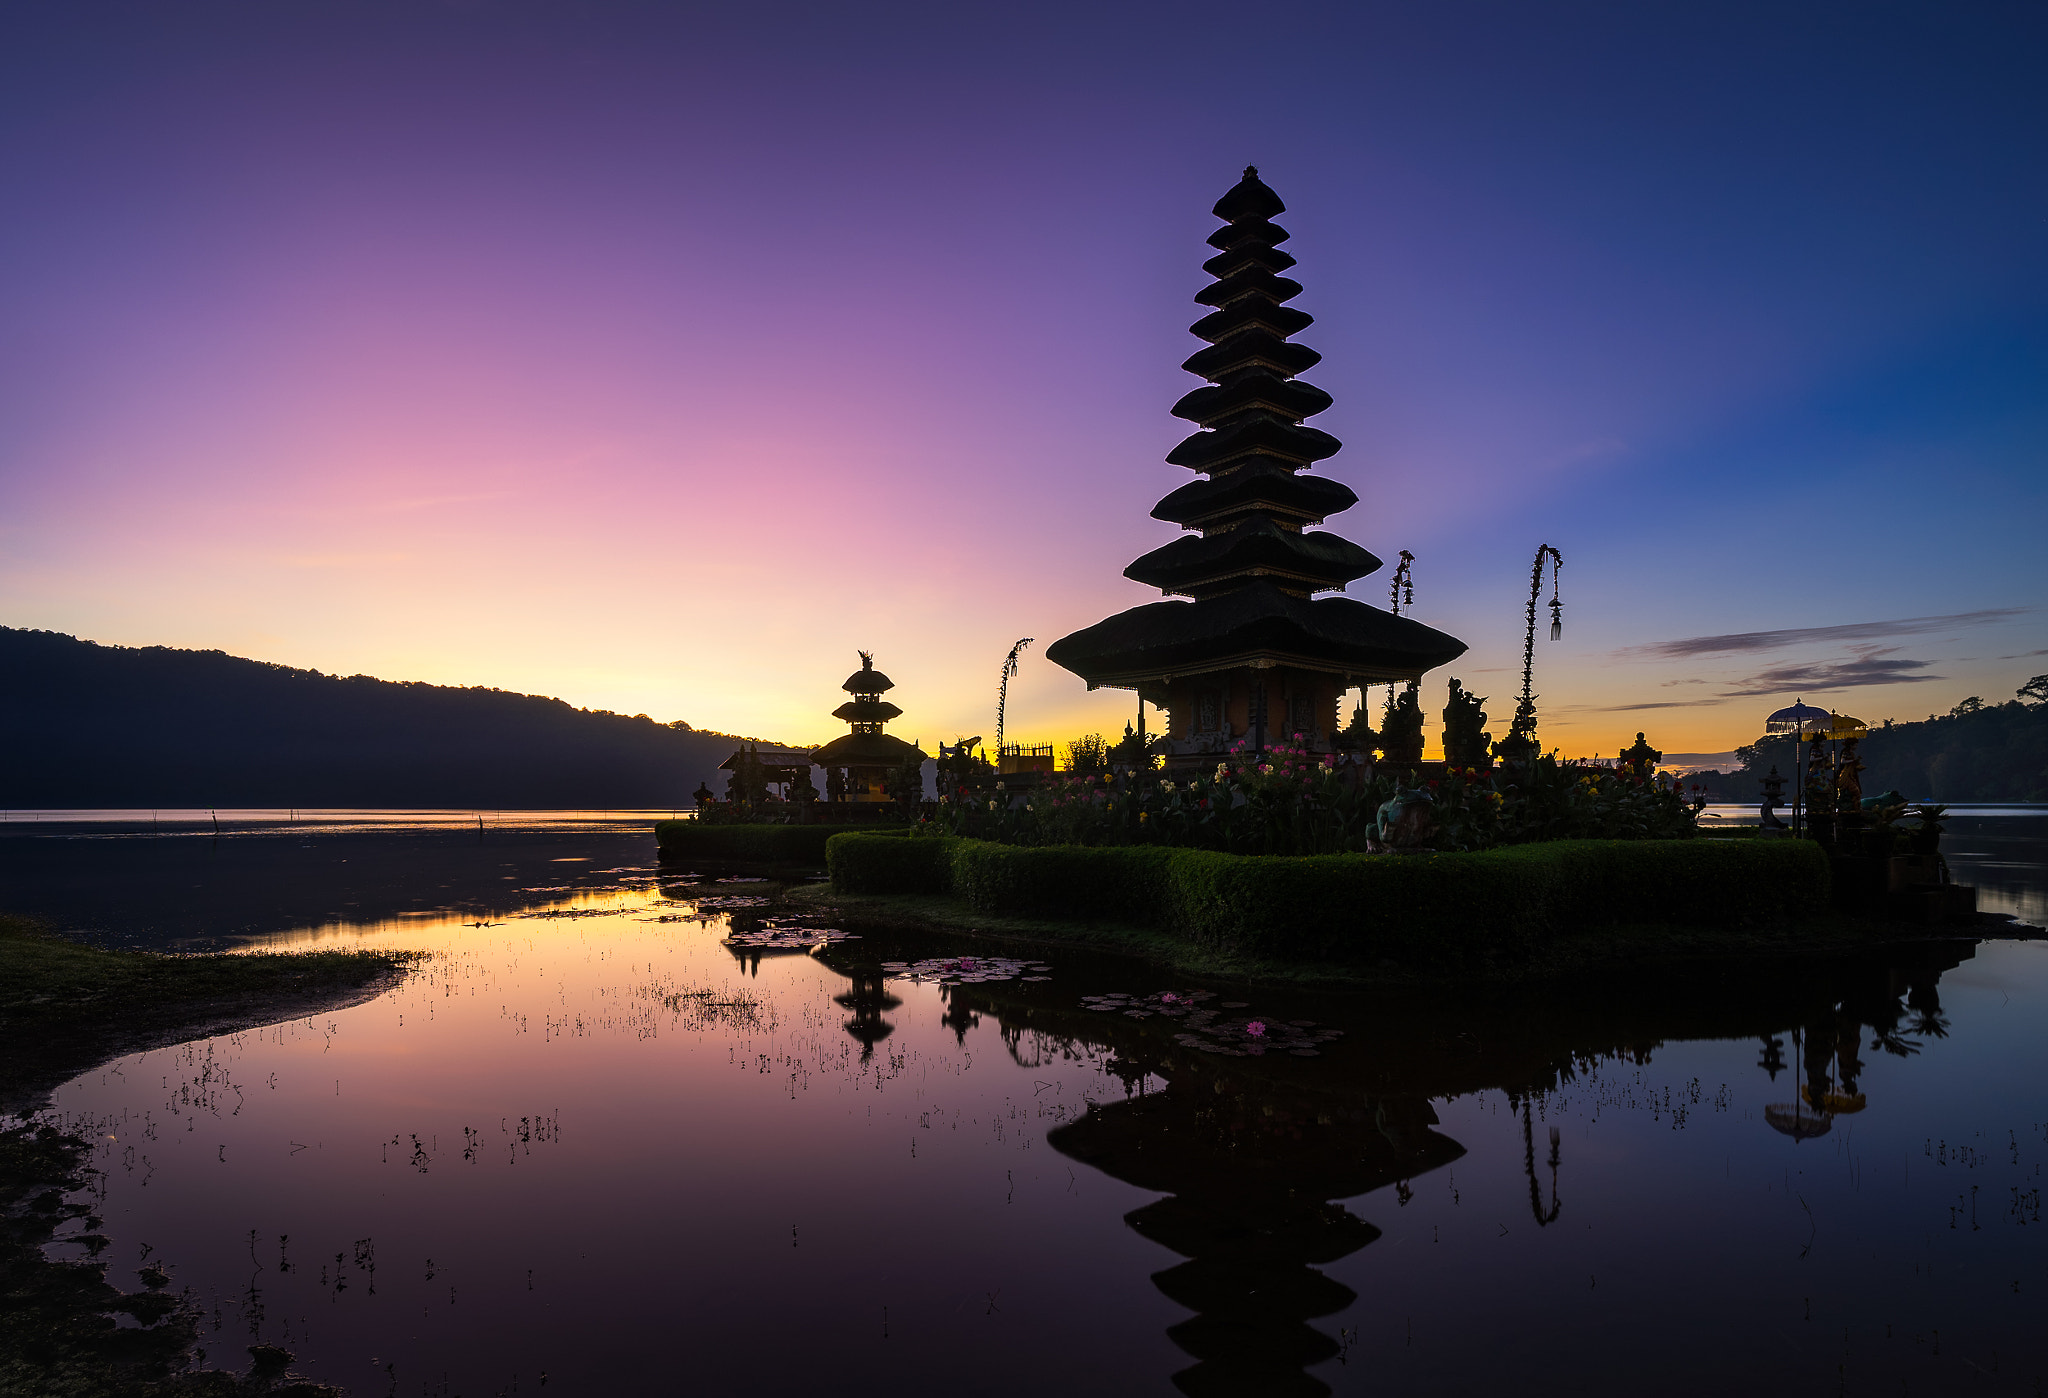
601,1145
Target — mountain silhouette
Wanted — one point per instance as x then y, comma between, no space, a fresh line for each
115,726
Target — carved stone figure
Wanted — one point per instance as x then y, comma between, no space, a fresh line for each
1406,820
1774,797
1849,779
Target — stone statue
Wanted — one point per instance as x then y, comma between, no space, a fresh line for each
1774,797
1849,779
1642,759
1406,820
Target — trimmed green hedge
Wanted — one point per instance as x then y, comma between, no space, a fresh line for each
871,861
1349,907
772,844
1126,883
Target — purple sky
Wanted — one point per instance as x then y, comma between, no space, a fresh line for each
659,356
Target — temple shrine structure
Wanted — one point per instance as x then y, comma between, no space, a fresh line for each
860,763
1254,653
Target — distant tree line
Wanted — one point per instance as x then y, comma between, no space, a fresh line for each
88,725
1974,752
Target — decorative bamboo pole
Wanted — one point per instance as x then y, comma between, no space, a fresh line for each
1522,732
1003,693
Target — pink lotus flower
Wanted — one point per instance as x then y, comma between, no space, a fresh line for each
1169,999
1257,1029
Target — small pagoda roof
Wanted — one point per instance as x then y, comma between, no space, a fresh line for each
1257,623
866,709
867,679
867,750
1310,499
1315,560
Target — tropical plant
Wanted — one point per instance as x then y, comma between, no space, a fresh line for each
1288,800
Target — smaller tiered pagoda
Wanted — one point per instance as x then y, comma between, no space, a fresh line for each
859,764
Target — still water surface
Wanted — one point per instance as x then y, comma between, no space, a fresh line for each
597,1147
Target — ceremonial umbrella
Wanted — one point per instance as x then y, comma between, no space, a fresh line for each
1799,718
1787,1117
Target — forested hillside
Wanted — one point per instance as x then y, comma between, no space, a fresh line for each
1975,752
89,725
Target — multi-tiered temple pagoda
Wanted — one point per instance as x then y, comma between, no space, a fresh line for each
1255,652
861,763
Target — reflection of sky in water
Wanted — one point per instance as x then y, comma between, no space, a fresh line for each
609,1148
2004,852
280,820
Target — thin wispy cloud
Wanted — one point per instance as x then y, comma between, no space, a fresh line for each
1630,708
1665,704
1872,665
1743,641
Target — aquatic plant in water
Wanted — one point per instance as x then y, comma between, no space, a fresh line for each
1209,1030
968,970
788,938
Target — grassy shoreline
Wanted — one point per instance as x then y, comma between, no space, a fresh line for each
64,1010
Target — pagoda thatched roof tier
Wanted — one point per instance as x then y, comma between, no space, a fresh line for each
1258,623
1267,436
867,750
1232,235
1301,499
1255,348
1313,561
866,710
1251,312
1251,281
1250,198
867,679
1258,391
1236,259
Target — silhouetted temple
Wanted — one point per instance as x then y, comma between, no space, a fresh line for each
859,763
1254,645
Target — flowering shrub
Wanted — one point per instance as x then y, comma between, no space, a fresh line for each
1289,800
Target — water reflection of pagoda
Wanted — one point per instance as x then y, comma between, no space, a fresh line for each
860,763
1253,650
868,999
1250,1157
1247,1178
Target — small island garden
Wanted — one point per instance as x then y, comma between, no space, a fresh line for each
1258,828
